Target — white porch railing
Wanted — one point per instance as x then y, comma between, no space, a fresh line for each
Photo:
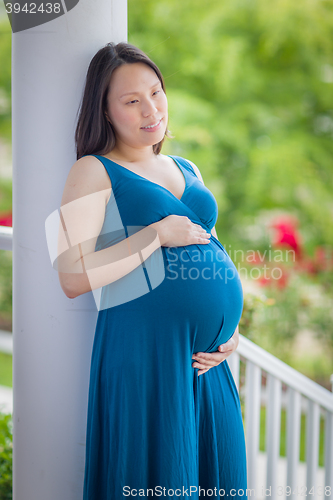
318,399
299,387
6,238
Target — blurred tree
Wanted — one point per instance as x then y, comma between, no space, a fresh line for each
250,101
250,98
5,78
249,84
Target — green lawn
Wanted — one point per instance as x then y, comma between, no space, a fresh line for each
6,369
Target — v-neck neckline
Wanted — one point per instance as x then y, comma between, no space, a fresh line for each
152,182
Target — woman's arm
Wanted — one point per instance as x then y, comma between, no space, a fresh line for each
83,205
81,268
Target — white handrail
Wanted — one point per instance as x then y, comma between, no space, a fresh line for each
285,373
298,385
6,238
6,342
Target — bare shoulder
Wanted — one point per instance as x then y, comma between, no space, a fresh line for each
86,176
196,170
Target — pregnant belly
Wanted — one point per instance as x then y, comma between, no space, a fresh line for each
206,290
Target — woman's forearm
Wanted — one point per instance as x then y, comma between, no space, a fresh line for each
97,269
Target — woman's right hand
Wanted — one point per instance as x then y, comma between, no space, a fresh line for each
179,230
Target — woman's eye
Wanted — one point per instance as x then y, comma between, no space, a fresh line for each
135,100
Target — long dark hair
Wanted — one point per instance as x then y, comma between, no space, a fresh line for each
94,134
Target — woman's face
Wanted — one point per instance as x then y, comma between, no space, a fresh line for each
135,102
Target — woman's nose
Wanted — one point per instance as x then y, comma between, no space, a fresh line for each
148,107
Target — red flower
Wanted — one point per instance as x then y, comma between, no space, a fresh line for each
321,261
6,219
286,234
278,276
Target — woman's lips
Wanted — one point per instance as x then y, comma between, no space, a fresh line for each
152,129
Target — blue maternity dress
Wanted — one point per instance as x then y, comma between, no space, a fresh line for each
154,428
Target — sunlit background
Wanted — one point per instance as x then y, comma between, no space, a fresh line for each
250,91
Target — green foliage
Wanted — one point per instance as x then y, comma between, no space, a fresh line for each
250,98
5,293
251,305
5,79
6,282
249,87
6,370
273,322
321,319
273,318
5,195
6,456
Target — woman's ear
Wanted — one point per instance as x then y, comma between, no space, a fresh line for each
107,117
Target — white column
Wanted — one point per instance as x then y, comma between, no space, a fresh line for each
52,335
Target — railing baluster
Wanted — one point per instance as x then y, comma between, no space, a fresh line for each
233,362
312,447
273,424
329,454
293,439
252,420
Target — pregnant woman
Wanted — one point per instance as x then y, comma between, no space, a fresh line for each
141,226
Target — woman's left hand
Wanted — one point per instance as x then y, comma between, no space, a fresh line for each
206,360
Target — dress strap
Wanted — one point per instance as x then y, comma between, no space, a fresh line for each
185,163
